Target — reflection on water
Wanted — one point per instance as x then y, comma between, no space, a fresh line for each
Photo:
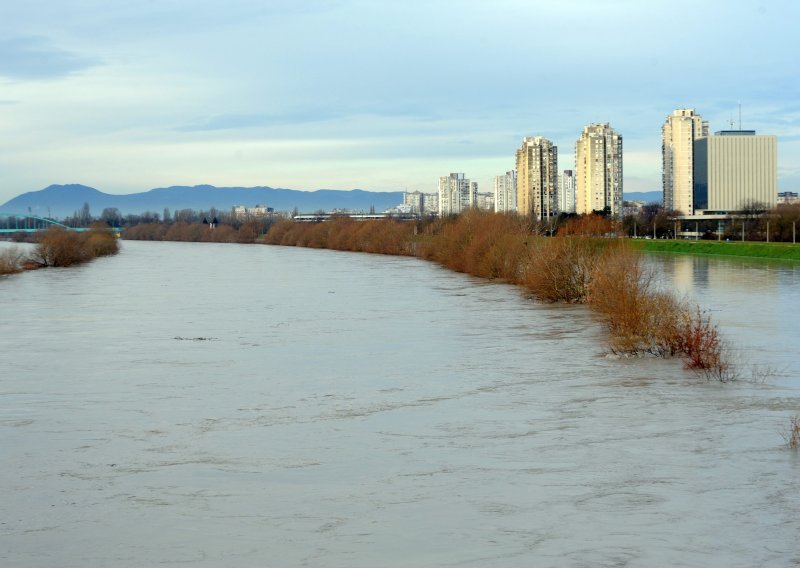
757,304
224,405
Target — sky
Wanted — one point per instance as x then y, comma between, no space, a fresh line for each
381,95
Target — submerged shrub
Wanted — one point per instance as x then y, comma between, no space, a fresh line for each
560,269
639,318
58,247
99,241
792,436
10,261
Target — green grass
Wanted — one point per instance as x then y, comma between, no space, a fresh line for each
774,251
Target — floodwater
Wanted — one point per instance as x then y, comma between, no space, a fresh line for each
234,405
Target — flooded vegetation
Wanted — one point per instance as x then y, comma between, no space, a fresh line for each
58,248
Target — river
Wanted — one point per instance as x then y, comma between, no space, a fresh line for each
244,405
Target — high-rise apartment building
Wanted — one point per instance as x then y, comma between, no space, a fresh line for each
678,134
431,202
415,201
456,193
735,170
598,175
566,192
537,178
505,192
484,201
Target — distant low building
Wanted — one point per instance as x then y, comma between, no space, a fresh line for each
788,197
404,209
243,213
632,208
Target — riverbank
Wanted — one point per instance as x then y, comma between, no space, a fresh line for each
769,251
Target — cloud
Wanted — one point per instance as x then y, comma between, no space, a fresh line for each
236,121
33,57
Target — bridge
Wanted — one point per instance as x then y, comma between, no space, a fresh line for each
29,223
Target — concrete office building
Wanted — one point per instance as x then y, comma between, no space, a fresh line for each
456,193
678,134
733,170
505,192
598,175
566,192
537,178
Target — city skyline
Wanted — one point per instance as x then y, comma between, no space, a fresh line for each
350,94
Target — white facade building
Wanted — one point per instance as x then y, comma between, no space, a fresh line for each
456,193
566,192
416,202
485,201
505,192
598,170
431,201
242,213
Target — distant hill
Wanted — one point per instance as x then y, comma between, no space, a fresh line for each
60,201
645,196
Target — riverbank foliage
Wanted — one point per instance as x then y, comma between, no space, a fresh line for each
57,247
605,274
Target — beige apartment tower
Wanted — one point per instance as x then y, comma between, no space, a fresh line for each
537,178
598,170
678,134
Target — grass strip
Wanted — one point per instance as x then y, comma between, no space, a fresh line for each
772,251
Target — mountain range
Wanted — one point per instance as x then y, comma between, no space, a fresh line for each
59,201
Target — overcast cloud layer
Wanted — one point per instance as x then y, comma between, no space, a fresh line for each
379,95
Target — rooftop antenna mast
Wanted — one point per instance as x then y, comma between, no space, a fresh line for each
740,115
